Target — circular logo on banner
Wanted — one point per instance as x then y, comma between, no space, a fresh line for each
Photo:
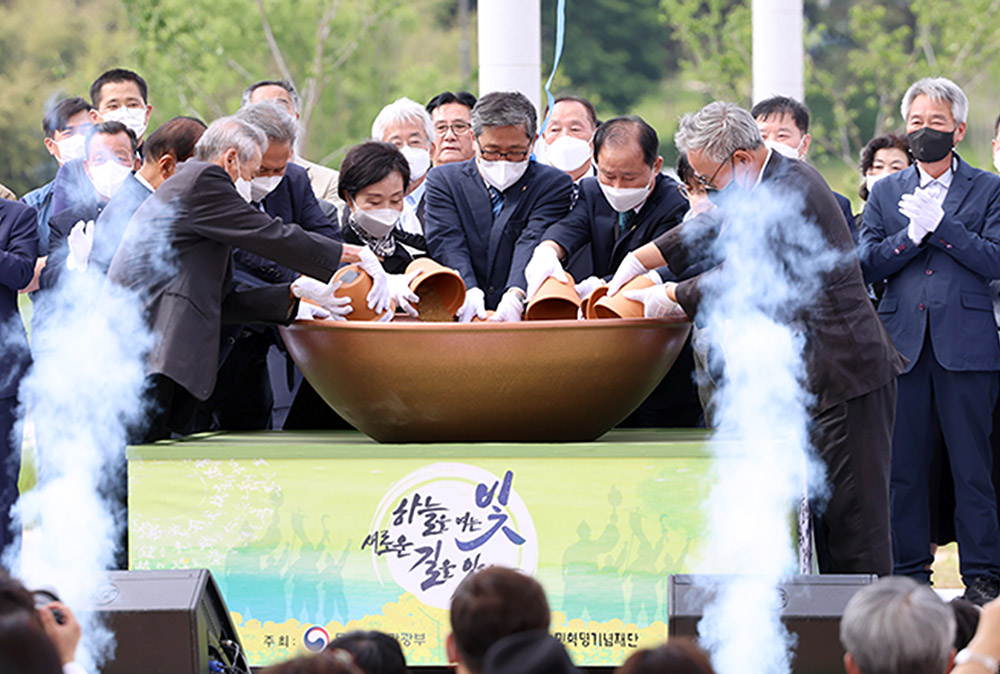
315,639
442,522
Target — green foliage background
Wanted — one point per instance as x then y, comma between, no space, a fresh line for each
656,58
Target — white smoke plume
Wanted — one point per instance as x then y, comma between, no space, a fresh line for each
83,394
752,306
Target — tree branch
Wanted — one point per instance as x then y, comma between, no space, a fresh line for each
272,44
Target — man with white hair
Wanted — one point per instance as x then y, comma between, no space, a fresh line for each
407,125
932,231
897,626
177,253
850,363
322,178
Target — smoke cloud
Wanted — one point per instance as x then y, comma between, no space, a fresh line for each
753,305
82,395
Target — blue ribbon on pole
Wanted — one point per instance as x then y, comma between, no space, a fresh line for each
560,35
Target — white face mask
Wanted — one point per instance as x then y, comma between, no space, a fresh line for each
260,187
419,160
377,222
74,147
133,118
996,162
624,199
108,177
502,174
871,180
568,153
784,150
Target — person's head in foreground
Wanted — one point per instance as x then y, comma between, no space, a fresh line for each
677,656
897,626
531,652
373,652
336,662
489,605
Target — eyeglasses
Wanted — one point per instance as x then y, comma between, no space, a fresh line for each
493,155
709,183
457,128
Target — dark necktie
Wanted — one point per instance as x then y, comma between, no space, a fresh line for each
624,220
496,201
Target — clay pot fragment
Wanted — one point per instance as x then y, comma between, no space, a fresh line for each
440,289
554,301
618,306
356,284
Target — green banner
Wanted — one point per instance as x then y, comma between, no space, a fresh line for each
311,535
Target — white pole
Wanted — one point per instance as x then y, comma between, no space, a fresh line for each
778,53
510,47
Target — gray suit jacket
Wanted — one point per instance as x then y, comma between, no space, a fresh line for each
177,253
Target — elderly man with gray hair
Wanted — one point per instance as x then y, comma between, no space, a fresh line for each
486,215
407,125
850,362
177,255
932,231
897,626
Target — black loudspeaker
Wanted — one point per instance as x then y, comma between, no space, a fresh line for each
169,622
811,607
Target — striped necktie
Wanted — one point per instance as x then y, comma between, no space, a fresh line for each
496,201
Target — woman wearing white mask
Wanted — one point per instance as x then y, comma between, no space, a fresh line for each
374,177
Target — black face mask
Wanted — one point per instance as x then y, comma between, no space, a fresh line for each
721,197
930,145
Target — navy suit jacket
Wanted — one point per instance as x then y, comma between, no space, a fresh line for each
18,250
942,285
111,223
593,220
60,225
462,234
845,206
292,200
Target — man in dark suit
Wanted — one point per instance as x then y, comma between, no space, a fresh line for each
177,253
169,145
18,250
850,362
784,126
109,162
628,204
248,395
932,232
485,216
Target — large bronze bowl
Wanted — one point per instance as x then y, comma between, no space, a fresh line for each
535,381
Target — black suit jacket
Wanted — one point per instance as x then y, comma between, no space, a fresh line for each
293,200
177,253
593,221
462,234
848,352
18,250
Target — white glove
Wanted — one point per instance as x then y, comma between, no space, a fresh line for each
655,303
378,297
399,291
324,295
588,285
654,277
544,263
511,307
627,270
924,212
81,241
473,307
308,311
